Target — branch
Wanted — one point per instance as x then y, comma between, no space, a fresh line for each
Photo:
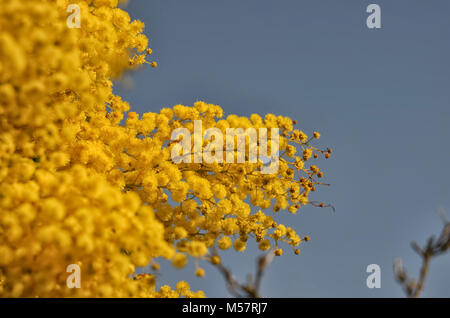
432,249
251,288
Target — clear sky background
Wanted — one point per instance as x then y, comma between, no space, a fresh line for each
380,98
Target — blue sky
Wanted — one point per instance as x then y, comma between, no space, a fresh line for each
380,99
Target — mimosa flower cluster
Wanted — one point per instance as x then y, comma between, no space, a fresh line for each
84,181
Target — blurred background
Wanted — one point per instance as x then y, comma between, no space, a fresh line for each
379,97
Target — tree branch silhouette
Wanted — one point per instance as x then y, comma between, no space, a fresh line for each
249,289
412,287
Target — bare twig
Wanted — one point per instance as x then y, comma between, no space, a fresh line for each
433,248
251,288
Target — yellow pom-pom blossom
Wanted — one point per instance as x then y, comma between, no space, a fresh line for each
200,272
78,185
215,260
61,187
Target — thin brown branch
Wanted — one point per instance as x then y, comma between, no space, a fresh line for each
251,288
413,288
